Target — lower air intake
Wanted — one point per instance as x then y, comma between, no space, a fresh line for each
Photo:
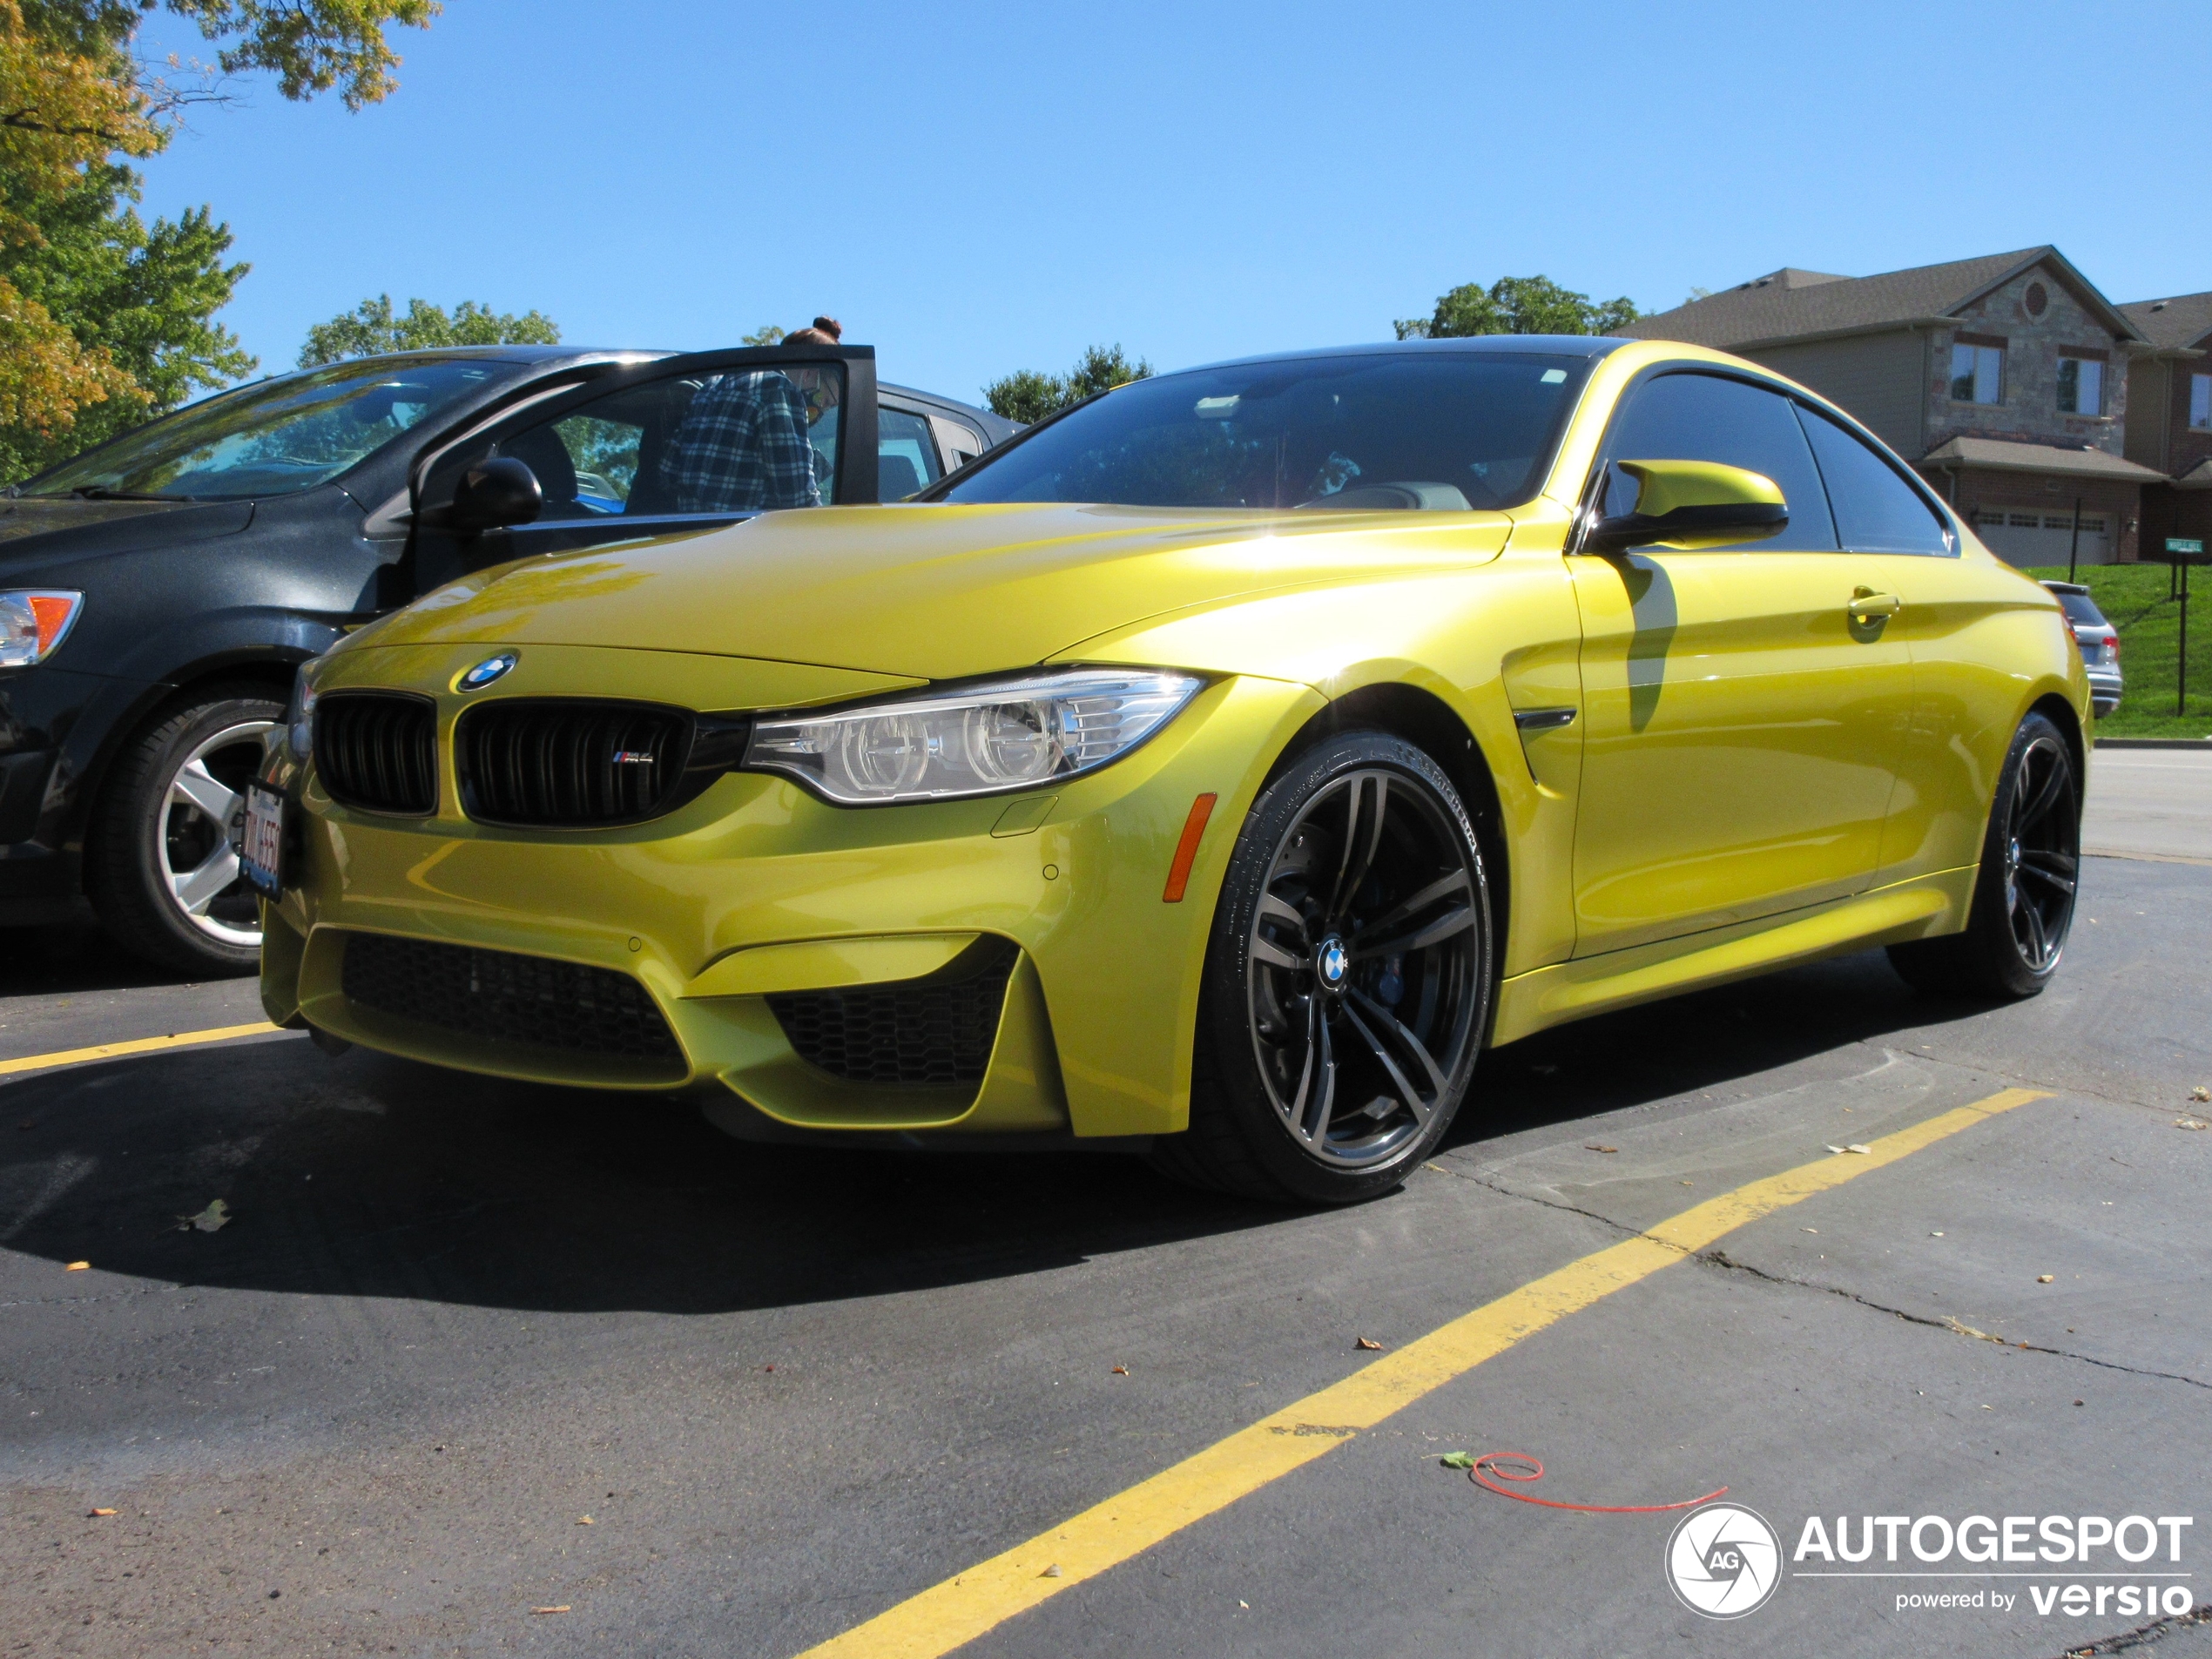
506,998
918,1031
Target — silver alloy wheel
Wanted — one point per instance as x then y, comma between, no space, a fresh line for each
1364,974
202,823
2042,853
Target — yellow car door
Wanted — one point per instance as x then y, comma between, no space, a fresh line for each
1968,628
1744,725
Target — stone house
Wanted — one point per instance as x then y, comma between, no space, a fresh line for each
2169,415
2003,380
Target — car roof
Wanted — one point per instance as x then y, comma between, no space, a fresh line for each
1589,346
997,427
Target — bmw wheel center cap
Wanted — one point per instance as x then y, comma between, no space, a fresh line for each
1332,963
485,672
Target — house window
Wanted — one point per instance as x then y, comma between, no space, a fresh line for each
1977,374
2081,386
2201,402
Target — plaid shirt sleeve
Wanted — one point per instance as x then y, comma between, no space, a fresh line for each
742,447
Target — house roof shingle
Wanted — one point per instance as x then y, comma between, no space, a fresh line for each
2181,321
1794,304
2003,455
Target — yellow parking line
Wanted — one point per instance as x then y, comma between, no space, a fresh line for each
136,1045
963,1608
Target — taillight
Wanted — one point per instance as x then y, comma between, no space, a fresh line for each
2111,646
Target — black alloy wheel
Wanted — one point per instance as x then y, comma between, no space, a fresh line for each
1347,984
2030,876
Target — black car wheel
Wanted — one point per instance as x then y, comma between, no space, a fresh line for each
1347,980
163,848
2023,895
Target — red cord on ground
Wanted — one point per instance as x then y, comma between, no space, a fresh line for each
1494,1463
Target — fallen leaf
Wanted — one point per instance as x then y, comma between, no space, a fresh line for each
1594,1147
2043,1278
1247,1606
2191,1123
1860,1148
2198,1093
75,1267
1935,1235
1121,1370
563,1607
1809,1229
1457,1460
1372,1347
1052,1571
1837,1150
585,1521
101,1512
2079,1402
214,1218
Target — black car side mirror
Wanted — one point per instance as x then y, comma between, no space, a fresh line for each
493,494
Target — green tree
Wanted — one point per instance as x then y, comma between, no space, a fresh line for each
1517,306
371,328
1028,396
766,334
103,318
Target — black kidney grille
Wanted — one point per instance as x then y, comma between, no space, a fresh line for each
378,751
498,995
918,1031
569,764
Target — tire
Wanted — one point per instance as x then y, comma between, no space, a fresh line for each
1327,1065
161,864
2024,896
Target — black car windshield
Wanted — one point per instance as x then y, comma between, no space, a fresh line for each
1445,431
2081,609
273,437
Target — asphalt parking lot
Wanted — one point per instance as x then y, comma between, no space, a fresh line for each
475,1367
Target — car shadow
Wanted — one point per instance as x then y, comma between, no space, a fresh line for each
368,1175
65,959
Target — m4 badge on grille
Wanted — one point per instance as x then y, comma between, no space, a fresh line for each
632,757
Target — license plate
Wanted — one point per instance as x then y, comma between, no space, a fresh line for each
262,856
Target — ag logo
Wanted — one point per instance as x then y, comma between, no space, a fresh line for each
1723,1561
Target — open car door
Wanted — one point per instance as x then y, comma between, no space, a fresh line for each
682,443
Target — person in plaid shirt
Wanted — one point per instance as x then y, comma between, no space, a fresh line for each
742,445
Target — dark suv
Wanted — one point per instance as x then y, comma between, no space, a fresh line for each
157,593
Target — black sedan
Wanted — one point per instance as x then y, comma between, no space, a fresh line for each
157,593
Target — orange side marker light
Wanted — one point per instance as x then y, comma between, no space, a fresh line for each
1186,850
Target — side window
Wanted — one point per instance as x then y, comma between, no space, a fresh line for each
749,441
962,442
906,454
1704,418
1876,511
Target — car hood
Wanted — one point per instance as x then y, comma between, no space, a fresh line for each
35,531
934,592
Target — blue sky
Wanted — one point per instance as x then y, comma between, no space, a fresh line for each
983,187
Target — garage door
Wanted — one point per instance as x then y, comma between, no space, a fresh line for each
2043,538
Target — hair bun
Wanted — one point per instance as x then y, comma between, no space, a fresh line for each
831,326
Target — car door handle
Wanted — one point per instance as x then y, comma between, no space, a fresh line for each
1866,605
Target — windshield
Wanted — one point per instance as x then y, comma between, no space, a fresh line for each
1444,432
272,438
2080,609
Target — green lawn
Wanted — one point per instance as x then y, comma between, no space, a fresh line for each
2134,598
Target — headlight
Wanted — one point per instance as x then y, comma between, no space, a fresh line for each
300,718
982,740
33,624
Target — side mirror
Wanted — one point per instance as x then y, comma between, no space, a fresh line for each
493,494
1692,505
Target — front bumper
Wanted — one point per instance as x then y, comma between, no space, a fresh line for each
757,888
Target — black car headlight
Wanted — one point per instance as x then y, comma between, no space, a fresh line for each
985,740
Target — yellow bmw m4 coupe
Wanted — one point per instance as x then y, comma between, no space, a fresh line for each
1216,769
